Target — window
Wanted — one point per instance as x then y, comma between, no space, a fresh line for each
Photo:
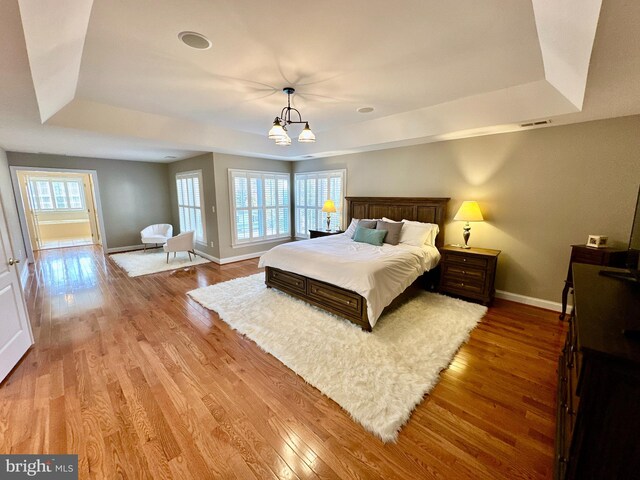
260,208
190,200
312,189
58,194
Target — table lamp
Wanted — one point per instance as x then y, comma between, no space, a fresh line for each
469,211
329,207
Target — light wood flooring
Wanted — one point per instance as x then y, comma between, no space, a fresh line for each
142,382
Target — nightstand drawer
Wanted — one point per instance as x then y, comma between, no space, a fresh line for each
455,284
464,272
462,259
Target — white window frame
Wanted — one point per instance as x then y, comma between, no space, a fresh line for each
50,181
197,209
321,220
253,240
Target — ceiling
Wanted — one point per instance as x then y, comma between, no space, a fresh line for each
111,79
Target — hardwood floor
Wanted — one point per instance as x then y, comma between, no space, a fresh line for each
142,382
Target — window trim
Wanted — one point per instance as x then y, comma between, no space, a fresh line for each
343,172
235,242
191,174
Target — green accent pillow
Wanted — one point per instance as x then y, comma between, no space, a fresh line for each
370,236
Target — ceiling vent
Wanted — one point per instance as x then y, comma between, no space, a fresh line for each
536,124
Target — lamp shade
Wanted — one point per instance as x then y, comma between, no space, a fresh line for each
306,136
285,140
469,211
329,207
277,131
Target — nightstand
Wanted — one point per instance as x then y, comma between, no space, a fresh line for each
468,272
323,233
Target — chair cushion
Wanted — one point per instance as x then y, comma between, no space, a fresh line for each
154,239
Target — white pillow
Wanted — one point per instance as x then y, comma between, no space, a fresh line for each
435,230
417,233
352,227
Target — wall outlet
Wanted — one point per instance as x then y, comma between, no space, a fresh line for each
211,244
213,209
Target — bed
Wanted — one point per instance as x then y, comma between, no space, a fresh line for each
301,269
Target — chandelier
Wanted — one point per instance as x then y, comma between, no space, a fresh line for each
278,131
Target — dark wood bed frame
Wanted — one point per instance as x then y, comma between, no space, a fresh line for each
346,303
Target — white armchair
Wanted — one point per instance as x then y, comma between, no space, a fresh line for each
157,234
185,242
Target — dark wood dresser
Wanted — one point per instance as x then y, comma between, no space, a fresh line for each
598,411
468,272
610,257
323,233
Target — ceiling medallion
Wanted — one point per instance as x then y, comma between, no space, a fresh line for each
278,131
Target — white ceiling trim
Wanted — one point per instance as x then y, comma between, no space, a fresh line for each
566,31
507,106
55,32
103,118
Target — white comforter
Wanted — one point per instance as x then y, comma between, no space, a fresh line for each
379,274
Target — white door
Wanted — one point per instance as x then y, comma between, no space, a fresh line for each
15,330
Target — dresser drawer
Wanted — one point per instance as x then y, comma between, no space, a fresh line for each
287,279
471,260
592,256
347,302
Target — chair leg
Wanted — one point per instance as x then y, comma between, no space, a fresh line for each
174,254
189,253
145,246
167,257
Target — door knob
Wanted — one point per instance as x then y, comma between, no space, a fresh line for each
13,261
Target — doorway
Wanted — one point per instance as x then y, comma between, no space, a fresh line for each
59,208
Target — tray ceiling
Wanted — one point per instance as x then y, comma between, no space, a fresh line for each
115,73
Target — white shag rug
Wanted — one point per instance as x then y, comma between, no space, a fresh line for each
143,263
378,377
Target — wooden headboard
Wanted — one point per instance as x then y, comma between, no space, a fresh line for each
428,210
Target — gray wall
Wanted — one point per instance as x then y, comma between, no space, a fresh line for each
222,164
133,194
205,163
539,190
10,212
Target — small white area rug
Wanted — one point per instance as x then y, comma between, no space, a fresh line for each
143,263
377,377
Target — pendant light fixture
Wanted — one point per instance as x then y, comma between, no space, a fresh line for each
278,131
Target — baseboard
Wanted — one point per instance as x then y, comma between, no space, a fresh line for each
207,256
237,258
128,248
536,302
